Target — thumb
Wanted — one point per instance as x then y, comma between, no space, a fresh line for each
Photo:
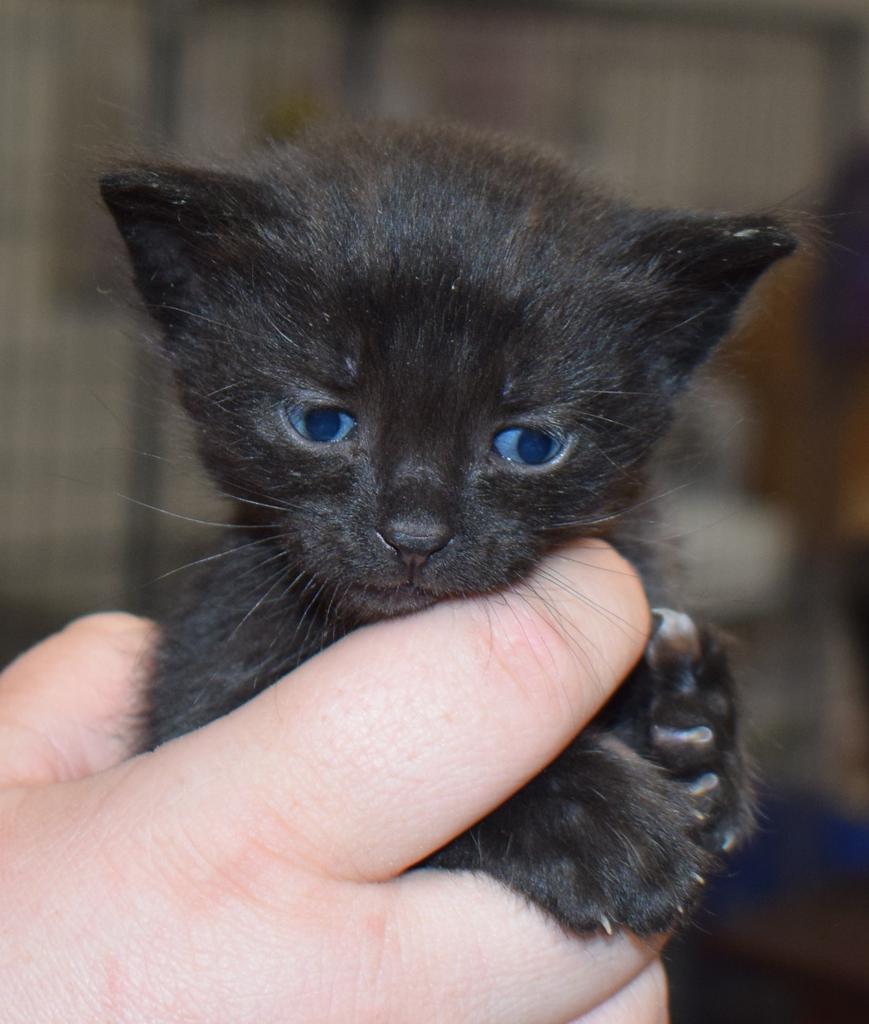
388,743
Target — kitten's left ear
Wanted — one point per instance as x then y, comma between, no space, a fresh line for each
706,266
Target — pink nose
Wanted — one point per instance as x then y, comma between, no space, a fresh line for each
415,541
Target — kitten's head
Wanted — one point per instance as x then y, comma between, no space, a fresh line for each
437,352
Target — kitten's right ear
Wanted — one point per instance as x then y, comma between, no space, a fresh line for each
182,227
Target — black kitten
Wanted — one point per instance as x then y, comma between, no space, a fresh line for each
421,358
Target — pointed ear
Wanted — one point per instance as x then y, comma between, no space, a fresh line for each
182,228
702,268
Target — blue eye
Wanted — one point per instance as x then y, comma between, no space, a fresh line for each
526,446
322,425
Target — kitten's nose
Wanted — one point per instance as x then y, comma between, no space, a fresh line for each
415,540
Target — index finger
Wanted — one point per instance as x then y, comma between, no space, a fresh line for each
392,741
68,706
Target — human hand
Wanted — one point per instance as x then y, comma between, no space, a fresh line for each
253,871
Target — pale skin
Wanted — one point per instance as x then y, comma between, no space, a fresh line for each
252,872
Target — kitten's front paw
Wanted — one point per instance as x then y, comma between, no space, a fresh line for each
601,840
622,829
691,728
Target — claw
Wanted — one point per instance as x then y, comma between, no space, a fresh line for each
728,842
606,924
699,736
699,879
704,784
677,632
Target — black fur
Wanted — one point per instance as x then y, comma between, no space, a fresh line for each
442,286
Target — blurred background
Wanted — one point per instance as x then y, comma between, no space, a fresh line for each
738,106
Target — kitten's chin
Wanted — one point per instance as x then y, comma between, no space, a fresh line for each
371,603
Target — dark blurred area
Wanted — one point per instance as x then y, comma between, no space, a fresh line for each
738,106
